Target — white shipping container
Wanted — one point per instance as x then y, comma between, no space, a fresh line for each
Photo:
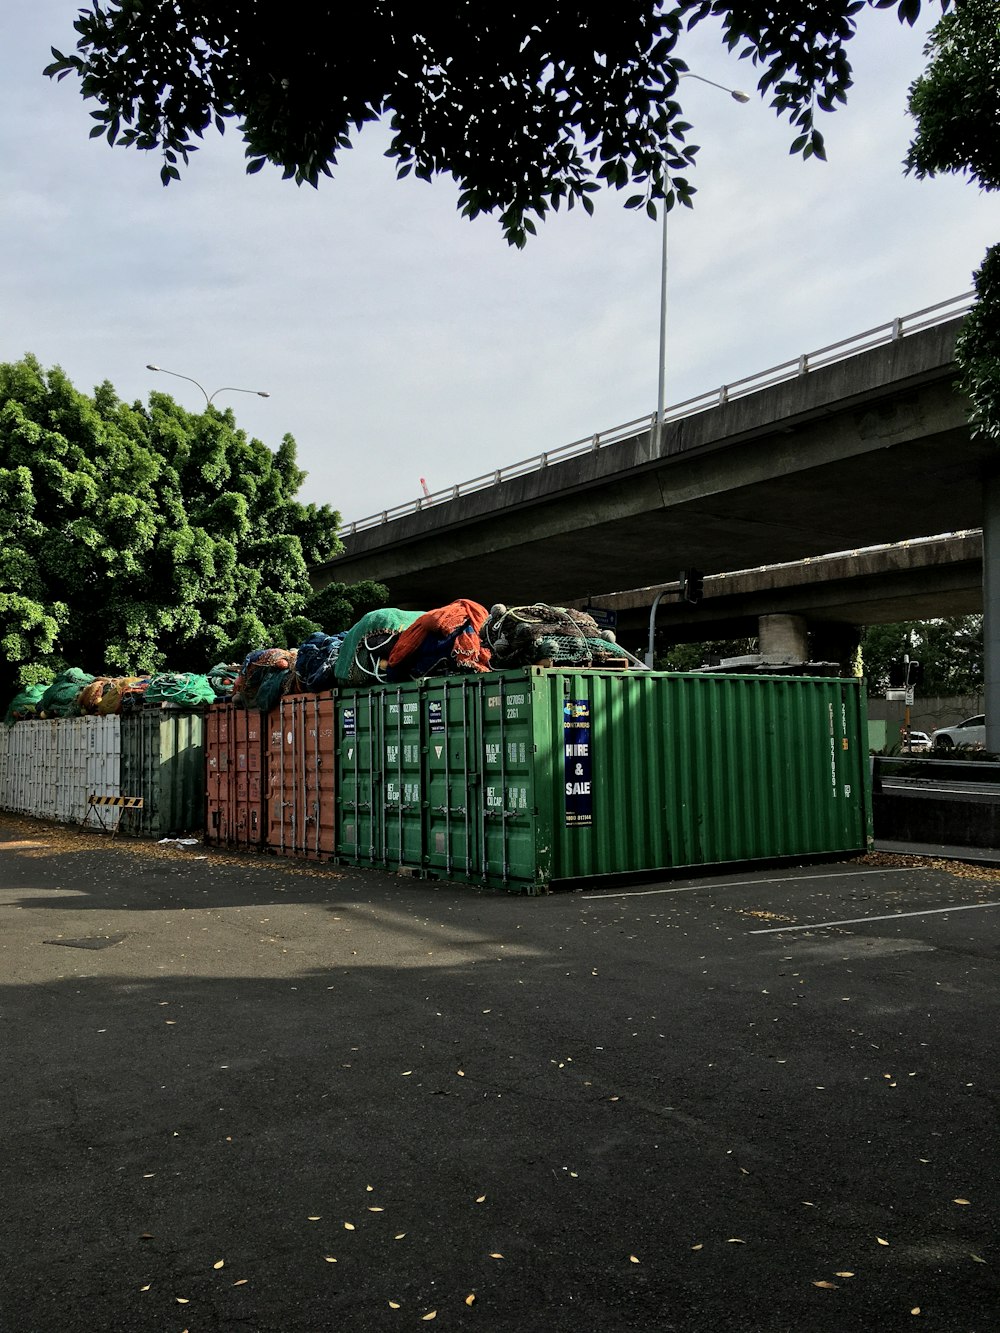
53,766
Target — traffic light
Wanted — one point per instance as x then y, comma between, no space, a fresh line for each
692,581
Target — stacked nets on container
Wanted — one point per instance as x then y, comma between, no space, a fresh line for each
442,642
222,678
24,704
125,695
546,635
62,697
364,654
92,695
263,677
315,665
179,689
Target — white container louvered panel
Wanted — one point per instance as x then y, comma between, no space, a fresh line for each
55,765
4,768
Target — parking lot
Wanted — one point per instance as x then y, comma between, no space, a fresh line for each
247,1093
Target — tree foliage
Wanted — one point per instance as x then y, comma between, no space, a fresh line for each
950,651
137,537
956,101
956,104
528,105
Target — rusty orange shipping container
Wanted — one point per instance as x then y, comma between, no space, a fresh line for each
301,784
235,793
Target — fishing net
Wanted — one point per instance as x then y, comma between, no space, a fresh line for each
368,643
547,635
179,689
257,667
440,643
222,678
315,665
125,695
61,698
24,704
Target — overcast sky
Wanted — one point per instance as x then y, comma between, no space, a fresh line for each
398,340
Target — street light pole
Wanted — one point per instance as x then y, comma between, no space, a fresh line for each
737,96
229,388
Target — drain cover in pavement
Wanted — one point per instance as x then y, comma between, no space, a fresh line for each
92,942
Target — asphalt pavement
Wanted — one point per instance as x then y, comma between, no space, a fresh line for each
247,1093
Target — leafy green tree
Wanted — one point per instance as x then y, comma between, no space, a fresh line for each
133,538
527,105
691,656
956,104
950,651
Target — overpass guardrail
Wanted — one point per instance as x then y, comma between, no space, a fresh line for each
900,327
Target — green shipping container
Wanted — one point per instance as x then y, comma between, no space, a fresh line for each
163,761
524,778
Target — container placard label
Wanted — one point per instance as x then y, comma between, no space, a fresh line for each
435,717
350,727
576,744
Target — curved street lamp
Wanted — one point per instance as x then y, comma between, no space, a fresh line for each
737,96
229,388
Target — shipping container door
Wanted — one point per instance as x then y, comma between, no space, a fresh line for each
510,850
360,826
302,792
402,784
452,777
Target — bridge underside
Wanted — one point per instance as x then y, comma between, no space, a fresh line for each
872,450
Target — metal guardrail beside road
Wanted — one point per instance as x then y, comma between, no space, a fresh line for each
897,328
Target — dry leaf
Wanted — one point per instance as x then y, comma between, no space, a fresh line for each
977,1258
964,1201
431,1314
481,1199
881,1241
496,1256
460,1073
735,1240
845,1273
612,1099
406,1073
182,1300
329,1258
146,1287
349,1226
829,1286
471,1298
219,1264
145,1235
376,1210
399,1235
314,1219
241,1282
394,1305
369,1189
915,1310
699,1246
632,1259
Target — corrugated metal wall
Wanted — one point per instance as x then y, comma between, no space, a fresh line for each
163,761
52,766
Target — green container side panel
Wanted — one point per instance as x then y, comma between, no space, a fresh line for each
163,761
400,793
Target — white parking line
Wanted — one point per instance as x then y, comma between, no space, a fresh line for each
742,883
860,920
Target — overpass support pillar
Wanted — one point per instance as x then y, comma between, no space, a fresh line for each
784,640
991,610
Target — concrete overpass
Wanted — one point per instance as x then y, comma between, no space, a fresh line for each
845,453
881,585
864,443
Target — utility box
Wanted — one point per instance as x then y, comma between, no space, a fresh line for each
524,778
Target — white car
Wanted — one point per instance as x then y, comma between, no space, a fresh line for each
970,733
919,742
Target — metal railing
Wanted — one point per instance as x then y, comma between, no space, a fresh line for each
895,329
